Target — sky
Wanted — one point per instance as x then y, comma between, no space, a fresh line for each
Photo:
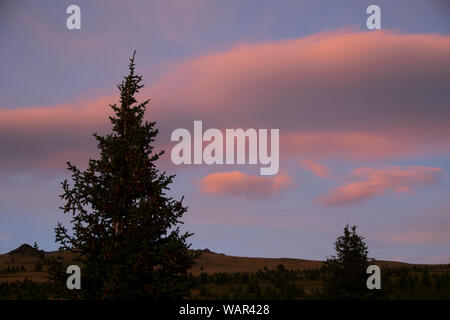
363,116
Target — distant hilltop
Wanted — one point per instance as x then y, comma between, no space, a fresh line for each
23,250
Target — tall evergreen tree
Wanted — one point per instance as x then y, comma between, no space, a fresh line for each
125,228
344,275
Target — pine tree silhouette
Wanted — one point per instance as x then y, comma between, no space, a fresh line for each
125,228
344,275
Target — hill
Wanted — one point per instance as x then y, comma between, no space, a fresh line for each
24,260
23,250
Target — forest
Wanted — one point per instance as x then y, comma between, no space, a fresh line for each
404,283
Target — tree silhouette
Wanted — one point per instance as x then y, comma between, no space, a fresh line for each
125,228
344,275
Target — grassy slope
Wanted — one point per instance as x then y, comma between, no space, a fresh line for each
208,262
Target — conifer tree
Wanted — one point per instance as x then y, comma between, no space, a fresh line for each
125,229
344,275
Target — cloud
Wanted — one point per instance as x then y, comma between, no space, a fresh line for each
318,169
381,181
47,137
367,145
365,77
355,146
420,237
236,183
344,95
341,95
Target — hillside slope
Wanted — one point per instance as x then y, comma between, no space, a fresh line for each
209,262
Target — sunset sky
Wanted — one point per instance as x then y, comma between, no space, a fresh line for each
364,117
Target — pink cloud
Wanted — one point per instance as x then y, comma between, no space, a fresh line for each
51,120
58,159
236,183
381,181
45,137
365,77
318,169
347,145
420,237
363,74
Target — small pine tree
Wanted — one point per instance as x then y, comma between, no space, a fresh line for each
125,227
38,252
344,275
